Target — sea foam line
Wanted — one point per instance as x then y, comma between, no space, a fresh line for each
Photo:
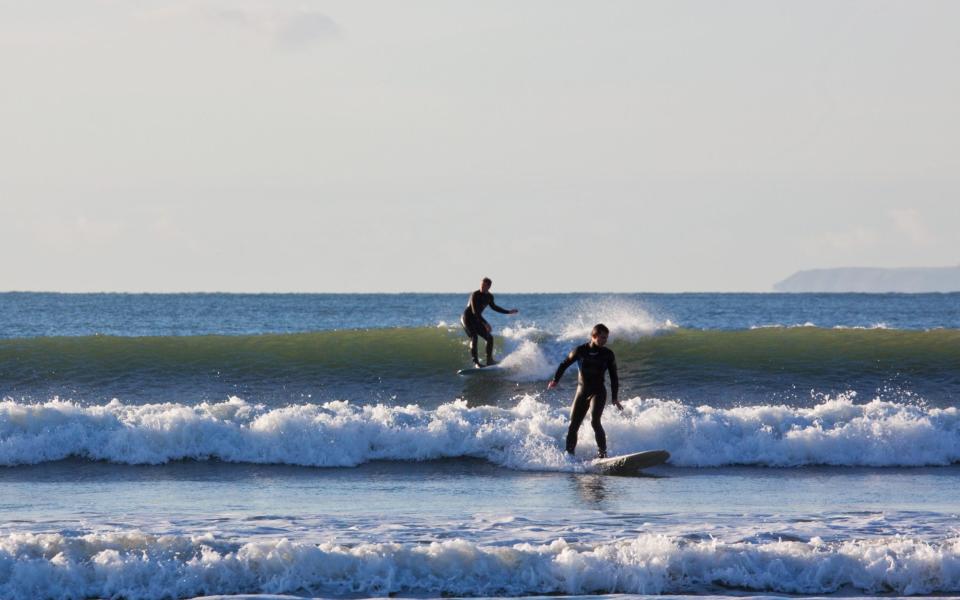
134,564
527,435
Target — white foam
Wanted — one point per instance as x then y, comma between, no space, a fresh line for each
331,434
138,565
523,332
525,436
528,362
835,432
809,324
879,325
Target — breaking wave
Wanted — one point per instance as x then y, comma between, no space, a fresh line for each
526,436
139,565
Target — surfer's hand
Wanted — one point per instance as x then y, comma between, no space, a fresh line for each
617,404
514,311
551,385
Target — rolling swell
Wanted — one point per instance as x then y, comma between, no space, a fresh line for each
275,368
416,351
425,358
806,353
777,346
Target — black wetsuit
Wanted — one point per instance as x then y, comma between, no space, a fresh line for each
475,325
594,362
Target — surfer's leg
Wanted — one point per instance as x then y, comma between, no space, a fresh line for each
581,402
490,360
484,332
469,327
597,404
473,350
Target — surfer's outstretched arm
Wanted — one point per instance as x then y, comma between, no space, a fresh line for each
499,309
571,358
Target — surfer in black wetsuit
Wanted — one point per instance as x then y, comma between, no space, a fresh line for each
475,325
594,361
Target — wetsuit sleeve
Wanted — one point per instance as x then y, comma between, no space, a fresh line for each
614,378
497,308
571,358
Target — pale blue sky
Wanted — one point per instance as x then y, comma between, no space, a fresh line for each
417,146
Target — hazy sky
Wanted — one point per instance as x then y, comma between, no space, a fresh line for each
416,146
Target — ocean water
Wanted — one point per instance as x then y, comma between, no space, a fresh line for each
176,446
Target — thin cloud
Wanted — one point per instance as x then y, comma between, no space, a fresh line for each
856,238
80,230
909,223
306,28
231,16
292,28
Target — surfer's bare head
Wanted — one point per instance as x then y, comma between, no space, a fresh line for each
599,334
485,284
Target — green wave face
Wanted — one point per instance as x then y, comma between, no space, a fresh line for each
420,363
805,348
423,351
413,351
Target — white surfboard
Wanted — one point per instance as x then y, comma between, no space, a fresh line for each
481,370
628,464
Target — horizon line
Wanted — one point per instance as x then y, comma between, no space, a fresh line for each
424,293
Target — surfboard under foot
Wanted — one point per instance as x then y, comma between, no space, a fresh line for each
629,464
480,370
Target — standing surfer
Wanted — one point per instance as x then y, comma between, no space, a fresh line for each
594,360
475,325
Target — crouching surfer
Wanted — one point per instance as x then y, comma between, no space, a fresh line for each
475,325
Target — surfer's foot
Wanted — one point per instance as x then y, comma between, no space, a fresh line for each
601,453
477,364
491,362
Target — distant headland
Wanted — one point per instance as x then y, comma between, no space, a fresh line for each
873,280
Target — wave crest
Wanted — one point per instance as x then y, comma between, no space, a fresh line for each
527,436
135,565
